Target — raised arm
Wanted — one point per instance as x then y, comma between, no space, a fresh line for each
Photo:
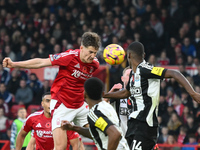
20,139
184,82
114,137
118,95
29,64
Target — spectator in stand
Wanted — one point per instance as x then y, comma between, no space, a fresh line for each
56,49
152,60
192,141
174,124
24,94
4,75
186,99
162,108
7,96
163,59
186,113
183,70
191,125
178,106
23,54
4,124
188,48
162,138
196,78
182,137
171,140
4,106
170,95
196,42
16,127
197,134
9,53
13,83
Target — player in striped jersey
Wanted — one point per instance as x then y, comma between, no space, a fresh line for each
144,88
104,126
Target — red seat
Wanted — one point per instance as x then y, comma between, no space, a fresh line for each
33,108
14,110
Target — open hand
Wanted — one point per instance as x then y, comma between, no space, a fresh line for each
116,87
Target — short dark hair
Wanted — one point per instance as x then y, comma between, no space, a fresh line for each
94,88
91,39
137,48
46,93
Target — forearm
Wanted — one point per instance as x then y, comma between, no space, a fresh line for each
118,94
30,64
19,142
82,130
184,82
113,143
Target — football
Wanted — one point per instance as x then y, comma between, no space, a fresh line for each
114,54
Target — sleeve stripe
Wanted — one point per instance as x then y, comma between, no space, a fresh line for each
93,116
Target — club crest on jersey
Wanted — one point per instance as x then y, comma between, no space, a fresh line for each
57,56
48,125
84,70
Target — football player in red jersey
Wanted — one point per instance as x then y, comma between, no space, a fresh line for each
75,67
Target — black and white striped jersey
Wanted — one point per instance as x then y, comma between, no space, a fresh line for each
144,86
100,117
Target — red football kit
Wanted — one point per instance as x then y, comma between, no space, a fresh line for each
41,126
68,87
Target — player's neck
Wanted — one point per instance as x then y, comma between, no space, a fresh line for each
91,103
47,115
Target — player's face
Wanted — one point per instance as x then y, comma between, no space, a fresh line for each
88,54
46,103
125,77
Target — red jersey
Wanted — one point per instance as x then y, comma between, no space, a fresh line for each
42,130
68,85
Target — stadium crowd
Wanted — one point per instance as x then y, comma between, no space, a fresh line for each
169,30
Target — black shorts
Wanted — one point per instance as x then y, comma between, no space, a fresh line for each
140,135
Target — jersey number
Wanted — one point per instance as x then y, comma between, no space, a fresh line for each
136,145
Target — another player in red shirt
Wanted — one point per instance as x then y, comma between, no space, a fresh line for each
75,67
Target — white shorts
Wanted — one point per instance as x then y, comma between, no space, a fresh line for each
61,112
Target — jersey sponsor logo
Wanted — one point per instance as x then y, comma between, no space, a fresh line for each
38,125
136,91
48,125
43,133
157,70
57,56
137,78
76,73
101,123
123,111
77,65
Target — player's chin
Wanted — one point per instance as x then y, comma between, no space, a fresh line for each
90,60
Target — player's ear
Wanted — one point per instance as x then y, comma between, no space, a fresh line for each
81,47
103,93
42,103
122,79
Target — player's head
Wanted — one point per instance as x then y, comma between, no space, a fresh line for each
135,52
125,76
46,98
93,89
22,113
90,44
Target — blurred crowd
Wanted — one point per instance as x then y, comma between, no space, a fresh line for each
169,30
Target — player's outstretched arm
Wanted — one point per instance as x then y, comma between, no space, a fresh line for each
117,95
66,125
20,139
29,64
114,137
184,82
31,144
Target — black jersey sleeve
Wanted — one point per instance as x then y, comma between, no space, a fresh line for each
98,120
154,72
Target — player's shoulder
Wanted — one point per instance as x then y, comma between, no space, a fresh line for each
145,65
95,62
70,52
35,115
